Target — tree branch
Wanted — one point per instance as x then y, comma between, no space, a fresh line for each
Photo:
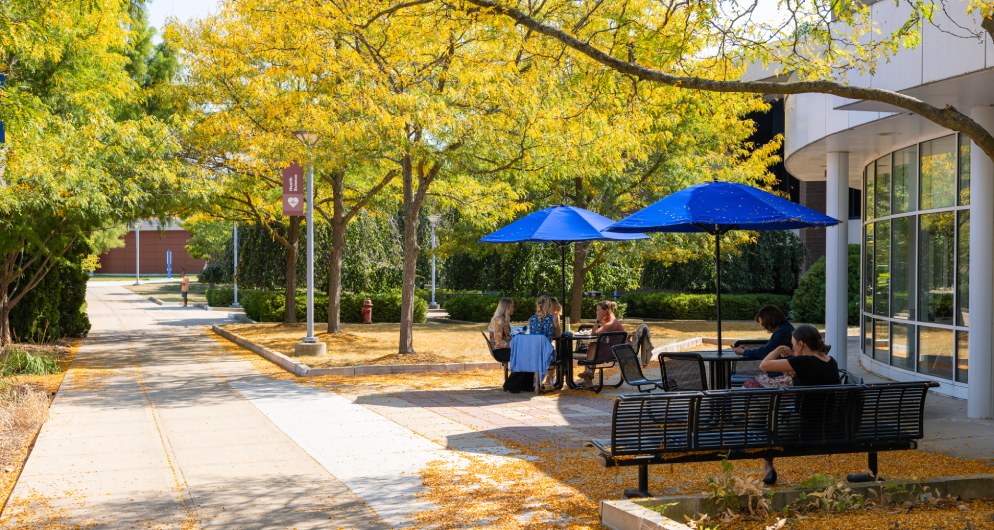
948,116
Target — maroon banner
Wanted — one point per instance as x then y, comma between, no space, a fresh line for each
293,194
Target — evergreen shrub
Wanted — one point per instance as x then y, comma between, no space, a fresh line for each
808,304
683,306
480,308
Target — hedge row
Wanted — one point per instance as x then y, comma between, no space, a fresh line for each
480,308
680,306
269,306
224,296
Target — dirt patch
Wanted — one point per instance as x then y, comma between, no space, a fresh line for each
24,403
360,344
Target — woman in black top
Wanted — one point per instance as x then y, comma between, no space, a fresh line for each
807,361
774,321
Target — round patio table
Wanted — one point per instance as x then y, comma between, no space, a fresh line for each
719,365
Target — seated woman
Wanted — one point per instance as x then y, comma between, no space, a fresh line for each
500,330
807,361
772,319
543,321
606,323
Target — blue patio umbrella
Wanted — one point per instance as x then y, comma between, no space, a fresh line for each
561,225
716,208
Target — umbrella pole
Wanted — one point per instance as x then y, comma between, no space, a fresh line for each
717,283
562,271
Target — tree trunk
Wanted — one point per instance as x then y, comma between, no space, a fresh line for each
293,236
339,222
412,207
579,272
5,336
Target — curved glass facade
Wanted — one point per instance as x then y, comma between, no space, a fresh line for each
915,273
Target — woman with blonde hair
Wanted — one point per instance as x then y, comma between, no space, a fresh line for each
543,321
606,322
500,330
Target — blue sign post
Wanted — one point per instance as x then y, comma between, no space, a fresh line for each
169,264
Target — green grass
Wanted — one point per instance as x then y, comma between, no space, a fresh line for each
131,277
170,292
16,361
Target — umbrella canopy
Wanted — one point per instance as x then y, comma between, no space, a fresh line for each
716,208
561,225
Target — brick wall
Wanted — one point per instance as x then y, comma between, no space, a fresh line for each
812,195
152,260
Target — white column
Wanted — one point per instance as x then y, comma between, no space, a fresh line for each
837,256
980,395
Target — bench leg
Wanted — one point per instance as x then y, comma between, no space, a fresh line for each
871,464
643,489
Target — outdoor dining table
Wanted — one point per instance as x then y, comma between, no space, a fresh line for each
531,353
565,348
719,366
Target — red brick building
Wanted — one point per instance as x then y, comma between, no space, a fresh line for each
153,243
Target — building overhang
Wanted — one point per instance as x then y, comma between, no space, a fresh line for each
876,138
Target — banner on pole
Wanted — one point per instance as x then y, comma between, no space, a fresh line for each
293,193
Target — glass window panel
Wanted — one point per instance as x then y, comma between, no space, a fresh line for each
935,352
881,266
882,184
868,336
902,269
902,352
905,177
869,277
935,268
963,269
938,173
868,184
964,170
881,340
962,356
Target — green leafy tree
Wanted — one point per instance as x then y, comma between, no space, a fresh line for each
77,161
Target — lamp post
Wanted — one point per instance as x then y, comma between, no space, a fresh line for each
234,274
137,252
309,345
433,219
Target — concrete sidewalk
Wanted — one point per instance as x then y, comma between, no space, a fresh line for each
148,431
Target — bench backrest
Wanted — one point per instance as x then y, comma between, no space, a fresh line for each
723,420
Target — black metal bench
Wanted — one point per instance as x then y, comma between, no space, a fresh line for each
677,427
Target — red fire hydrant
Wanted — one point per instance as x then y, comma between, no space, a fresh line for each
367,311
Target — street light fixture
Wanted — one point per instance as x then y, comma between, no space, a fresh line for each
433,219
309,345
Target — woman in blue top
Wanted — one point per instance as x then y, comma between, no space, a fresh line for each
773,320
543,322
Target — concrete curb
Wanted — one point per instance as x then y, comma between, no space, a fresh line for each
273,356
637,514
302,370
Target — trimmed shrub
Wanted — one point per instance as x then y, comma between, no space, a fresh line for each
225,296
252,302
480,308
682,306
808,304
386,307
